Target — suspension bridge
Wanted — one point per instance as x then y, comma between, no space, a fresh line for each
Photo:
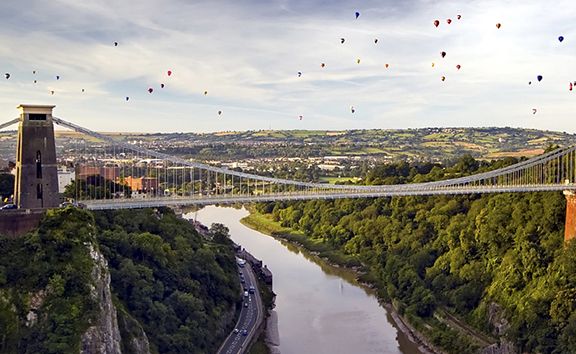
117,175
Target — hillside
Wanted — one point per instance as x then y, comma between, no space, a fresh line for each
432,144
116,282
493,263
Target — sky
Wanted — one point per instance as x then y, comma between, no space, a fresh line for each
247,54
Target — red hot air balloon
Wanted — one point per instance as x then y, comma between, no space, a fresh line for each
458,66
386,65
436,23
169,72
449,21
443,54
322,65
150,90
570,86
498,25
459,16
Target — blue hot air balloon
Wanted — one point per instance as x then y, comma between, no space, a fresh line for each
561,38
539,77
357,14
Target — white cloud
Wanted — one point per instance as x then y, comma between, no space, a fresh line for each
246,55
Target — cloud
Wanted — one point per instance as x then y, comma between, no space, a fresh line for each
246,54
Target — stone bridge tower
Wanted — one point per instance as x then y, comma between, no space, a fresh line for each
36,183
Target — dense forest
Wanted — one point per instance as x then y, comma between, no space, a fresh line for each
180,287
166,279
498,262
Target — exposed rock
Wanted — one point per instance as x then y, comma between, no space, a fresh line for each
134,339
505,347
36,301
103,337
497,320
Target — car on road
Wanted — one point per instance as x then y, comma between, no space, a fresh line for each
244,332
245,294
9,207
245,304
252,289
236,330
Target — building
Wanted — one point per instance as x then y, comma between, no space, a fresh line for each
140,184
65,177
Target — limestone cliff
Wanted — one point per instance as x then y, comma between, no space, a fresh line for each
103,336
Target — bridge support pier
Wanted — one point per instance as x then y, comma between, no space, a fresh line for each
570,224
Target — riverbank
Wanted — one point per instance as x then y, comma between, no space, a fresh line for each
417,330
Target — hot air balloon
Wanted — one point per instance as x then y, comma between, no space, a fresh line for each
52,92
534,110
300,117
115,44
458,66
299,73
529,82
82,90
150,90
432,64
205,93
169,72
161,85
459,16
7,75
443,54
449,21
539,77
570,86
561,38
57,77
498,25
436,23
34,72
375,40
358,61
352,109
443,78
322,65
219,113
127,98
386,65
342,40
357,14
35,81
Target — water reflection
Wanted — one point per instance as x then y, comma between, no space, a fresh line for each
321,308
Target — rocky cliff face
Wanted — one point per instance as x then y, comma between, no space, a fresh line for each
103,337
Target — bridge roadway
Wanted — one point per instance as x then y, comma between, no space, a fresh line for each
381,191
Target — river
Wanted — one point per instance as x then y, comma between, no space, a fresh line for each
321,309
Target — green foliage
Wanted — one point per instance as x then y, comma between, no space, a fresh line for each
178,286
49,270
459,252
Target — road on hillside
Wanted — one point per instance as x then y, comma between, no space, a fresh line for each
250,316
